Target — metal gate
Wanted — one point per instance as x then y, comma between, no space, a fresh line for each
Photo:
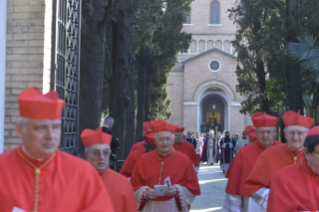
65,74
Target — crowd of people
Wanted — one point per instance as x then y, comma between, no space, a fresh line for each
219,148
160,173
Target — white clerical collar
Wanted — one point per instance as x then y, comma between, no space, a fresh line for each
165,154
105,126
25,151
294,150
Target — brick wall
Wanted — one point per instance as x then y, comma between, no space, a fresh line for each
27,57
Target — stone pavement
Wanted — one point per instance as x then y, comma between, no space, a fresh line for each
212,184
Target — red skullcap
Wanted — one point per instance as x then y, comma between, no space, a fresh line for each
149,137
34,105
159,126
180,129
292,118
264,120
313,131
147,125
91,137
250,131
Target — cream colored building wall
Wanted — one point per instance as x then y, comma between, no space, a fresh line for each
200,18
197,72
175,91
27,57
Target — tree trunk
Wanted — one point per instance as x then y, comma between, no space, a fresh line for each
293,70
141,94
120,64
262,83
92,66
148,95
130,112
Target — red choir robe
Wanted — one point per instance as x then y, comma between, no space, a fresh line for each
65,184
120,190
137,146
177,166
241,166
268,164
129,163
294,188
187,149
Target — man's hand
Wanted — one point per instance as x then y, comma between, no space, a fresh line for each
172,192
150,194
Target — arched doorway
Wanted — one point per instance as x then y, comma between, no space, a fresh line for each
213,110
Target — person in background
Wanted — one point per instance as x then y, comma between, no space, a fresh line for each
97,152
115,144
199,145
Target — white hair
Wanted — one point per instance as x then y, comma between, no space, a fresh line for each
173,135
22,120
87,149
109,120
265,126
287,128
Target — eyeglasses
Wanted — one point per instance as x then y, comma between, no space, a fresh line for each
97,154
299,134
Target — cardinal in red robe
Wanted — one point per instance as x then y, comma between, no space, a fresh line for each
236,197
296,188
159,178
97,152
140,145
275,158
38,177
185,147
250,131
129,163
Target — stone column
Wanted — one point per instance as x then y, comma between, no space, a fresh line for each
3,31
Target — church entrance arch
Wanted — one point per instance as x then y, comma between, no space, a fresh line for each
213,106
213,111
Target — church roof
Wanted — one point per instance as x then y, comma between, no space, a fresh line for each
198,56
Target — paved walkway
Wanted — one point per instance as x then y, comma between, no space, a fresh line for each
212,184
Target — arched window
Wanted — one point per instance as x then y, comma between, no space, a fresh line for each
214,12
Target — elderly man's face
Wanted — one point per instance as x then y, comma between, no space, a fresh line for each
313,159
164,142
99,156
295,136
265,136
40,138
178,137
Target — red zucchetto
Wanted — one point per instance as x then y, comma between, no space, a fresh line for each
92,137
292,118
159,126
34,105
149,137
180,129
250,131
147,125
264,120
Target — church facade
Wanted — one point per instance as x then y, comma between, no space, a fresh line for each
203,83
